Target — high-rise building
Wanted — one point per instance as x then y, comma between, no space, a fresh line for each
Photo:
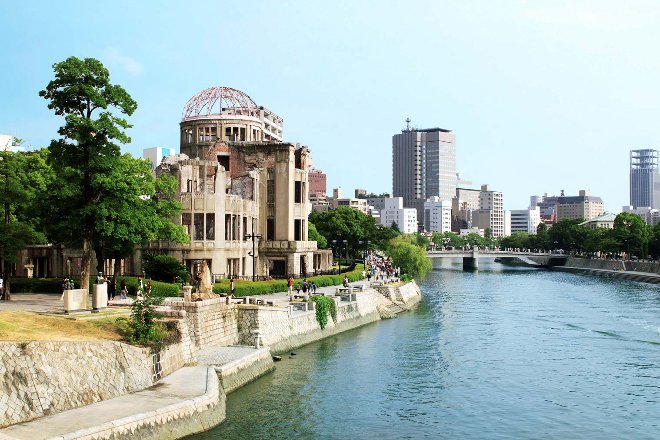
584,206
317,182
482,208
423,166
644,179
156,154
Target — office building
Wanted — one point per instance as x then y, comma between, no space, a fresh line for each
583,206
155,155
437,215
395,213
317,182
525,220
423,166
481,208
644,179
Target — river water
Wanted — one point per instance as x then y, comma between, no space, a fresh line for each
497,353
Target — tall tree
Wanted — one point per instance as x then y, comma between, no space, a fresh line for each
86,151
23,177
134,208
632,233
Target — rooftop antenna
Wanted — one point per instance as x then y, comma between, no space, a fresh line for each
407,124
562,193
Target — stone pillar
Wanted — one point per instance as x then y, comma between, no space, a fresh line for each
99,297
187,293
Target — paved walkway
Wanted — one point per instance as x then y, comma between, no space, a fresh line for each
175,390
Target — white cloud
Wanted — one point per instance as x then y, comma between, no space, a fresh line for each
129,64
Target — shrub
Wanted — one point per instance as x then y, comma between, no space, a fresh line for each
164,268
249,288
36,285
324,306
158,289
142,328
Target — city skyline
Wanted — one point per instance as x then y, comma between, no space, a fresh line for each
551,94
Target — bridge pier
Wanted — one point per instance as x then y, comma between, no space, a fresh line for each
470,263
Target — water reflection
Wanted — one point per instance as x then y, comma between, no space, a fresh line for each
502,352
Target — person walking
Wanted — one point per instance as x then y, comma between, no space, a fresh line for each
231,285
123,291
289,283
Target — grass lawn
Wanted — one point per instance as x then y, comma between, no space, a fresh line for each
29,326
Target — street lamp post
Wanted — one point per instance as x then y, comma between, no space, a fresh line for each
334,244
254,237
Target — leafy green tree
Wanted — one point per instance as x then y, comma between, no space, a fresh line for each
632,233
567,235
134,208
352,225
542,239
23,177
164,268
448,239
517,240
422,241
314,235
86,151
409,257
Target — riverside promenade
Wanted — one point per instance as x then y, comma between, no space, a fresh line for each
189,400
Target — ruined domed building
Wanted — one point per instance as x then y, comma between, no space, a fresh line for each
238,179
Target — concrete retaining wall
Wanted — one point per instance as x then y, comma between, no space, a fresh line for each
282,332
243,371
41,378
210,322
407,294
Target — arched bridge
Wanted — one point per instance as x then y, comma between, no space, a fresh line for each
471,257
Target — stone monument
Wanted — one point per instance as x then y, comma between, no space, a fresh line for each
205,289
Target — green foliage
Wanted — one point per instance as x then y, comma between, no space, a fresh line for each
36,285
324,306
405,277
164,268
313,235
158,289
448,239
352,225
143,327
249,288
86,152
134,208
632,233
409,257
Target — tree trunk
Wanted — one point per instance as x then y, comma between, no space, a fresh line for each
86,264
116,268
6,293
100,258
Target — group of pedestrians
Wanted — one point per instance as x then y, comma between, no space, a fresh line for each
380,267
303,285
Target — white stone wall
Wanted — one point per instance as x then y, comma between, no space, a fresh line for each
282,331
210,322
41,378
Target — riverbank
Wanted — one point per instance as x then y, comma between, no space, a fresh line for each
177,410
640,271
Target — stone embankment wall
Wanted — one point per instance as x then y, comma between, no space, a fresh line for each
41,378
282,331
211,322
588,263
406,294
243,371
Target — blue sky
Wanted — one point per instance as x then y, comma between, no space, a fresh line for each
542,95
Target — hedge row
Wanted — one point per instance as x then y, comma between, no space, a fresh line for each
249,288
54,285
